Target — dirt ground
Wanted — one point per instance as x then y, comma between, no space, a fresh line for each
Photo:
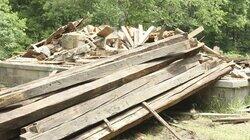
200,128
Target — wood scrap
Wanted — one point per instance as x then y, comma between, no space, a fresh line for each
129,39
109,125
205,114
53,72
163,122
105,32
195,32
146,35
233,119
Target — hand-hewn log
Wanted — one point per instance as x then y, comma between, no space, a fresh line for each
138,114
107,98
54,103
167,41
119,105
88,72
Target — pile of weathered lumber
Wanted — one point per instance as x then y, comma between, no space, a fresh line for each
103,98
81,44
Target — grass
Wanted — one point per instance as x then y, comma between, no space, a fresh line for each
194,129
207,130
219,105
200,128
237,55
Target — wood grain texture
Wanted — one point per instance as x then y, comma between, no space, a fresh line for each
137,85
119,105
85,73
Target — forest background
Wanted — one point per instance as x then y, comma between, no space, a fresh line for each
226,22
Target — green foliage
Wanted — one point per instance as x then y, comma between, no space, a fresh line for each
107,12
12,31
59,12
236,31
226,22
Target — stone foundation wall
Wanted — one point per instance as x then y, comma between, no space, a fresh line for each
12,74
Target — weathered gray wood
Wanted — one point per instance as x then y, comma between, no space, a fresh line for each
125,31
119,105
146,35
92,71
134,86
233,119
138,114
161,120
141,32
109,125
167,41
195,32
57,102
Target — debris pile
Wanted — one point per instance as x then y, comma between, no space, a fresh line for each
75,43
101,99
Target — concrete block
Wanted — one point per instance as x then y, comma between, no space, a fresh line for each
232,83
13,74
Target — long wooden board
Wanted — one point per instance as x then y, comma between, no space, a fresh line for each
142,83
119,105
55,103
146,47
61,81
167,41
138,114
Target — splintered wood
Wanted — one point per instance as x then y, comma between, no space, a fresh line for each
103,98
77,43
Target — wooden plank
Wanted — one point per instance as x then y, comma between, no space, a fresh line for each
134,86
93,73
109,125
195,32
119,105
146,35
167,41
53,72
105,32
179,31
124,29
136,37
54,103
161,120
211,51
71,26
204,114
138,114
233,119
78,75
141,32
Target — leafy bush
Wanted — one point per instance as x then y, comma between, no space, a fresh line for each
12,31
226,22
